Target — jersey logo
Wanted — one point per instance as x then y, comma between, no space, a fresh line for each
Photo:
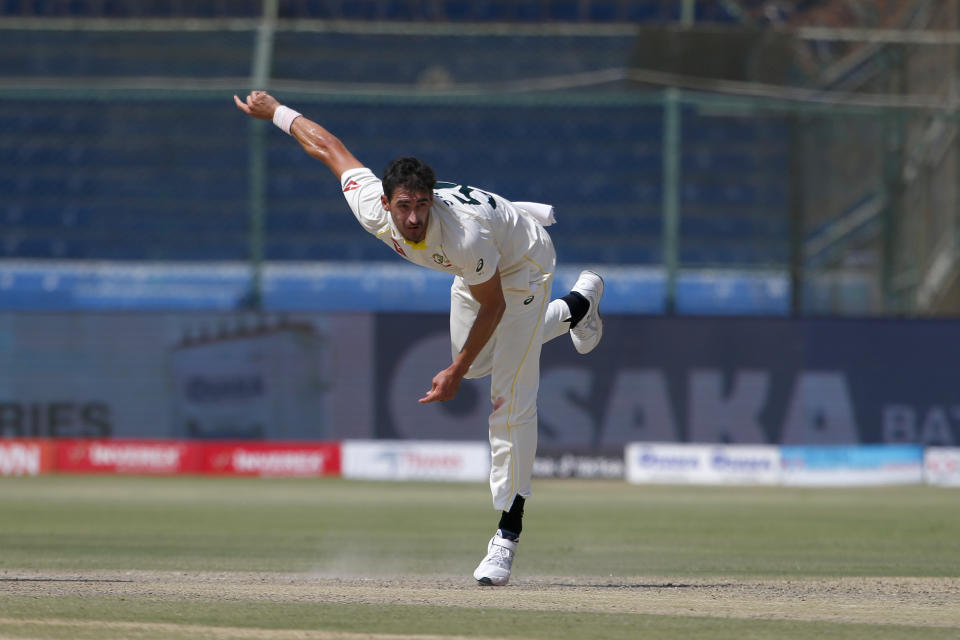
398,248
350,186
528,300
441,259
479,265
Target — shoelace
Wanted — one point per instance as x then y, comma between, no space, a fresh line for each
501,556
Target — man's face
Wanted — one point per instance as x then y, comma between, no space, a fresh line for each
410,211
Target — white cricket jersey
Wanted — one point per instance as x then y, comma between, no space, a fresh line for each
470,232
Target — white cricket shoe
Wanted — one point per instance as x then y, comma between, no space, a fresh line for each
494,569
586,335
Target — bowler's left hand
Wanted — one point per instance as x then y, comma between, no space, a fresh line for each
445,386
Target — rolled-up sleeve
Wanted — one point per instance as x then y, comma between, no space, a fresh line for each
362,190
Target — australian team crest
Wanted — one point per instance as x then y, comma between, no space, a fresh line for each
441,259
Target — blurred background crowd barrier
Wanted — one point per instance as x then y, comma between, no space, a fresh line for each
802,154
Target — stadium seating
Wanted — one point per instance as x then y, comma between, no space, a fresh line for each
400,10
157,176
152,168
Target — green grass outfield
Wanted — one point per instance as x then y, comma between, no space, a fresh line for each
188,557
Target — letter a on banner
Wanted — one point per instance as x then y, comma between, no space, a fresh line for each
820,411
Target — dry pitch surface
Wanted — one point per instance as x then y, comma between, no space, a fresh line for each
922,602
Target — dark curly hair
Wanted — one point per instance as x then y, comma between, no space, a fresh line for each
408,173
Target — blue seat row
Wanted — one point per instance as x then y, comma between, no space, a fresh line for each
346,244
401,10
121,53
174,176
440,59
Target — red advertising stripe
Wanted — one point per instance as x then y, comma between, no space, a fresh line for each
129,456
272,459
26,457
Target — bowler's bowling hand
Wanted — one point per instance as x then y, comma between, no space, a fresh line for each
259,104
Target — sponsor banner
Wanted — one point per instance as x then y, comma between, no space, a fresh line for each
416,460
26,457
279,459
161,457
941,466
702,464
723,381
577,466
289,377
309,376
852,466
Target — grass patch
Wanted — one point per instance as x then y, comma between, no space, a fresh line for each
588,530
424,620
575,528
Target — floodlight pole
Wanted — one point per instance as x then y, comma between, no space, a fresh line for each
259,79
688,13
671,193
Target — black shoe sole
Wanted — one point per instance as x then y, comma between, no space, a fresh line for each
487,582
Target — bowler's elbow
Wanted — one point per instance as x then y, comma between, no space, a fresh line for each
498,306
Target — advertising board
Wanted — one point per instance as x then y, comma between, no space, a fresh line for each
569,465
719,380
160,457
863,465
305,459
307,376
185,375
941,466
24,457
701,464
416,460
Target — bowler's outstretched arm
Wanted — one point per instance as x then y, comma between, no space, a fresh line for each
316,141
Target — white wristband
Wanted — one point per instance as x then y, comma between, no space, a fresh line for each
283,117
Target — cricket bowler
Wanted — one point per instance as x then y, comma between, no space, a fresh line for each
502,262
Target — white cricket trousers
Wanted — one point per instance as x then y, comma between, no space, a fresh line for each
512,360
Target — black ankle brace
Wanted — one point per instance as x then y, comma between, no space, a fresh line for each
511,522
578,307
